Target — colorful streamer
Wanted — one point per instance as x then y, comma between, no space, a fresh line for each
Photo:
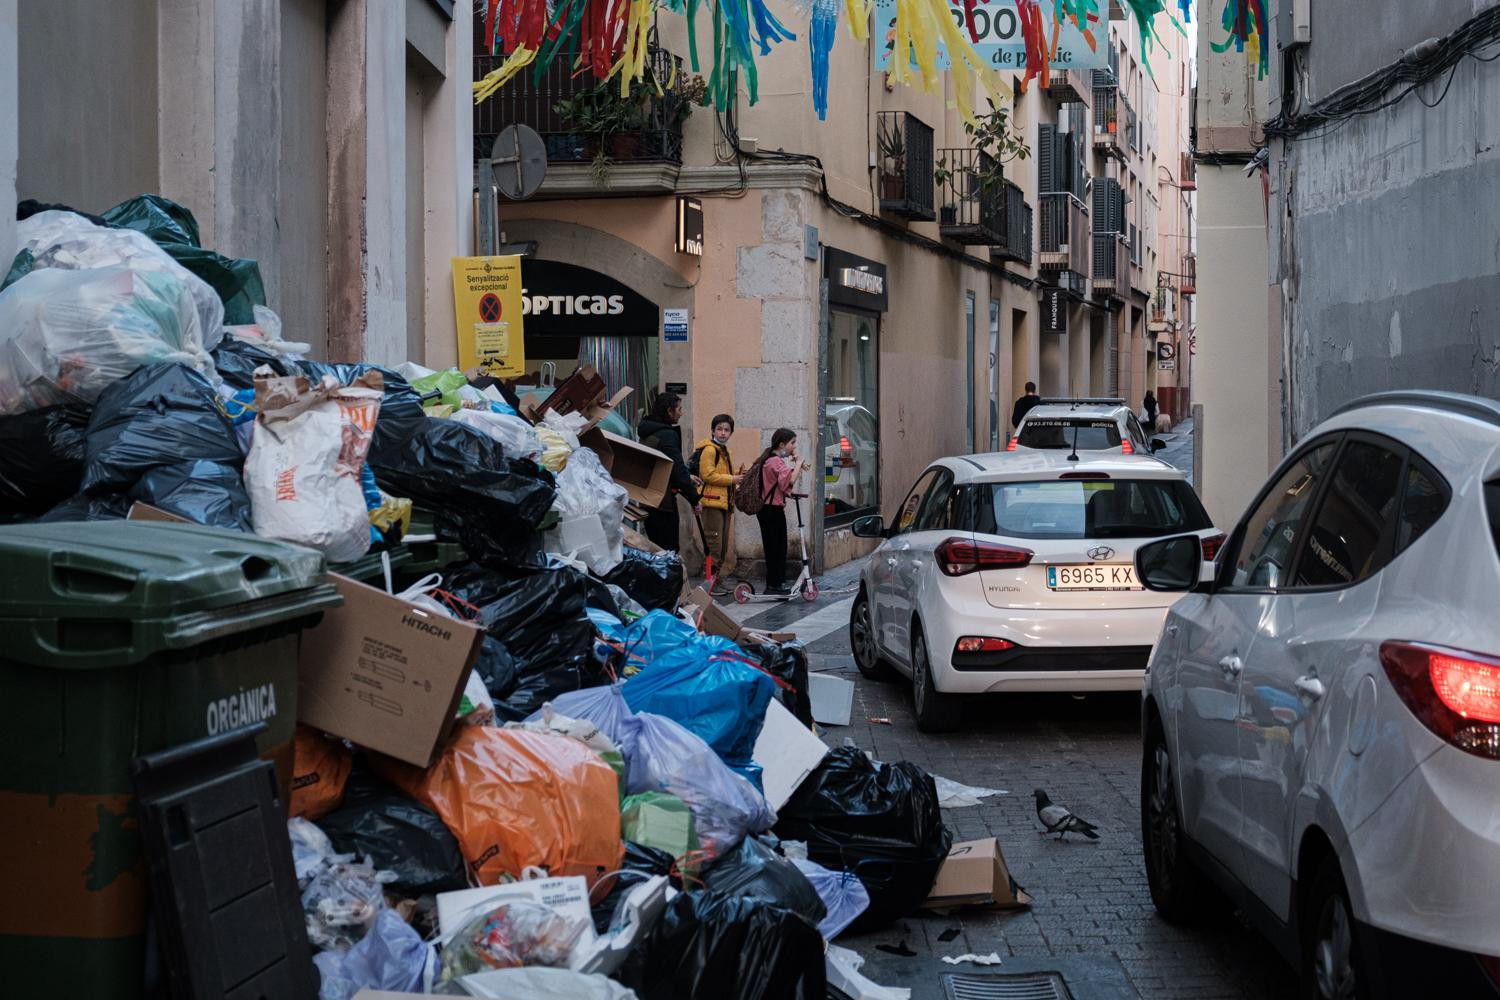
1245,21
822,32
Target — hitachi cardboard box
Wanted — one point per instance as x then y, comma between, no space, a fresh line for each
385,674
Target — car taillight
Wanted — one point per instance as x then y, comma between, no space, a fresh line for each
1211,546
1126,448
958,556
983,644
846,453
1454,693
1013,443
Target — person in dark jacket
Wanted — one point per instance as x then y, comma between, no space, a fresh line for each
1150,405
1024,404
659,430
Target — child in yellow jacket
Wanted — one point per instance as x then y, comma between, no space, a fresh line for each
716,469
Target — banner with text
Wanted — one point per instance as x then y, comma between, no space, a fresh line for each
1000,43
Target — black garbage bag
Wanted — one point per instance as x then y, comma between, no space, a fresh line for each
398,834
729,949
108,507
161,436
880,821
236,362
496,668
787,661
653,579
539,617
173,228
491,505
41,459
401,414
641,862
754,870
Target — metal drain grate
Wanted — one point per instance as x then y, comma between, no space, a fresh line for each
1006,986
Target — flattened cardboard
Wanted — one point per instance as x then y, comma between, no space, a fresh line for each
712,619
832,698
645,473
787,752
385,674
145,512
975,874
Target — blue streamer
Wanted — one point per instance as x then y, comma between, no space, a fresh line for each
824,30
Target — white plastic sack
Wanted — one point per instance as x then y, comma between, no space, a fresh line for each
956,795
516,436
541,983
566,425
843,896
265,333
305,461
585,489
68,335
67,241
606,710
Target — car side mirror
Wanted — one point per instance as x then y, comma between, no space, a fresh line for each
869,526
1157,444
1172,565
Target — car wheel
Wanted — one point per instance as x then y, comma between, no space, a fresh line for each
936,712
862,642
1331,968
1178,889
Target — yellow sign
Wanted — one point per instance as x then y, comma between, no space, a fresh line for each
487,303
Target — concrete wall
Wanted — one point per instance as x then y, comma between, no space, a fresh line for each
1384,240
1351,38
1236,375
301,296
1231,103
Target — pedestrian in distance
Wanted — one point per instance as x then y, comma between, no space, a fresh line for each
716,469
1150,409
1024,404
780,467
659,429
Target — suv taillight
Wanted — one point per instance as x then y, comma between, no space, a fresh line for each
1454,693
846,453
1211,546
959,556
1013,442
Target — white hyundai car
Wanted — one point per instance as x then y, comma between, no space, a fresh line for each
1322,714
1083,424
1013,572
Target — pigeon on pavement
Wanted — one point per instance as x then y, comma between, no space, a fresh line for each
1057,819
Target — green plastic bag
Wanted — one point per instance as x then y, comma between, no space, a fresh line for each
19,268
655,819
173,228
448,383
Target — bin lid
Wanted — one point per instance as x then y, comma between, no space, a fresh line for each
143,569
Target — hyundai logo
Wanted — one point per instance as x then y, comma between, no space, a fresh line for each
1099,553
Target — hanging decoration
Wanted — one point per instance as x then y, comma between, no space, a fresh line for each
822,30
1245,21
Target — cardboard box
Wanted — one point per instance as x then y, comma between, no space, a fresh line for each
145,512
712,619
975,874
832,698
385,674
568,896
581,392
645,473
787,752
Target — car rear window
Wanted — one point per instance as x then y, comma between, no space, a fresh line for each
1113,508
1059,432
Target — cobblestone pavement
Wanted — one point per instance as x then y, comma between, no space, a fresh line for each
1090,897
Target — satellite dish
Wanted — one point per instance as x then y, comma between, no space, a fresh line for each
519,162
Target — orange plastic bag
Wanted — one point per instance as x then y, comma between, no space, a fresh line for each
320,769
516,799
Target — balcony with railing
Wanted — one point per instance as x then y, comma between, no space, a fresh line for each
905,165
1017,227
585,121
970,196
1064,243
1068,86
1189,274
1107,123
1132,126
1111,266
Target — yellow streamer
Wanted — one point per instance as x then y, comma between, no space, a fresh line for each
858,16
507,71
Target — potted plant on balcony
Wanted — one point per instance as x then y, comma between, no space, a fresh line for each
942,178
892,140
612,125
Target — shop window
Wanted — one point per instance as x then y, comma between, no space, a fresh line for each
851,438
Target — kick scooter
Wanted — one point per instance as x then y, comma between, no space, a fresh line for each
804,586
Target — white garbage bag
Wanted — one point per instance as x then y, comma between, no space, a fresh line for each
585,490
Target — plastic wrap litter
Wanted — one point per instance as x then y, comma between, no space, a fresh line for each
585,489
41,459
843,895
320,770
66,336
161,436
342,901
311,849
305,462
513,934
391,956
68,241
755,871
516,799
516,436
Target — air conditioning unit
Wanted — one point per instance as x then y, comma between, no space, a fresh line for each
1293,23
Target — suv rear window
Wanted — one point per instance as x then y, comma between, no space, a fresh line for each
1058,432
1114,508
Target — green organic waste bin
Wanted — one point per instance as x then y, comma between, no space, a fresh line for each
122,638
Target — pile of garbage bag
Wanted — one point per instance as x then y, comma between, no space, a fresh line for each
598,778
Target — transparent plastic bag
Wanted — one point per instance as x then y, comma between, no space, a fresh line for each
311,849
68,241
66,336
585,489
391,956
342,902
265,333
549,720
844,896
513,934
516,436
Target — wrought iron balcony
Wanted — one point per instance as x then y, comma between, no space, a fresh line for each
1189,274
1111,266
970,196
1110,75
651,132
1017,227
1107,123
1069,85
1065,234
905,165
